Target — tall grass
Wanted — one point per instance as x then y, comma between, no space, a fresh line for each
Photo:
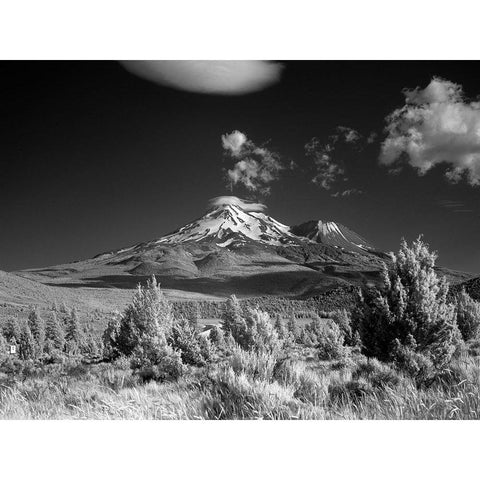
248,385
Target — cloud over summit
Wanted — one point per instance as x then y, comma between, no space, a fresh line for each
437,125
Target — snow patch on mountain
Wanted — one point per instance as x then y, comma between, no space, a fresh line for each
229,224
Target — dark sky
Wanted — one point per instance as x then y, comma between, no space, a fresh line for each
94,158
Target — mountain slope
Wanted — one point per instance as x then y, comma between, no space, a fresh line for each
234,248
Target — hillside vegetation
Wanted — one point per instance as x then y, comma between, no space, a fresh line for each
408,350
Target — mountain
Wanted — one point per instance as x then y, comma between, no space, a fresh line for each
232,225
234,248
332,233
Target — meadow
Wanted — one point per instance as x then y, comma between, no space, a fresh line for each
408,351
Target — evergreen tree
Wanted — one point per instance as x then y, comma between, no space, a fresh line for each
194,316
145,326
4,347
292,326
27,344
411,312
11,330
232,319
54,334
280,328
37,327
74,338
468,315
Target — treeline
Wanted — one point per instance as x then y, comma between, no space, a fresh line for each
337,299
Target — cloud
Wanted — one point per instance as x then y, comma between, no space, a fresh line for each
328,168
231,200
234,142
347,193
348,134
256,167
437,125
455,206
229,77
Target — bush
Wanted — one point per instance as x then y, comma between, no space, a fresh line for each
259,334
411,311
343,320
326,337
216,337
468,315
194,349
255,364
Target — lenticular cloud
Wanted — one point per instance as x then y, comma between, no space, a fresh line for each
243,204
229,77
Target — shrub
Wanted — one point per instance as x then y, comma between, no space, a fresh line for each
468,315
259,333
255,364
343,320
216,336
326,337
411,311
193,348
292,327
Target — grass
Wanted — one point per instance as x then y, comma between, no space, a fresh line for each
244,386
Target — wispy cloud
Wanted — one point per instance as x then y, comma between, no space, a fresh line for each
455,206
226,77
256,167
437,125
328,168
347,193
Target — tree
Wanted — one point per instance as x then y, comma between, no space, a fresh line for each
110,338
280,328
292,326
37,327
11,330
74,338
54,334
411,312
194,316
27,346
4,347
468,315
232,319
145,326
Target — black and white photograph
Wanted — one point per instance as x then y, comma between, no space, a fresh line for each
203,238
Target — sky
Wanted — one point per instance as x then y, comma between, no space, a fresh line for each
96,156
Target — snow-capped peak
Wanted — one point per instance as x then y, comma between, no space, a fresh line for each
229,223
331,233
